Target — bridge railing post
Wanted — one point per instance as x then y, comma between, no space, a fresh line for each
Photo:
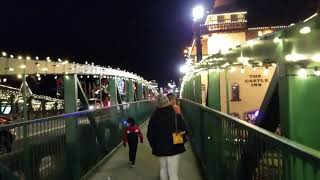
72,134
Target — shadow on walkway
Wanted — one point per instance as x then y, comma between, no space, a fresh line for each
147,165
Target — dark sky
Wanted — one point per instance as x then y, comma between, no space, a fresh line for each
144,36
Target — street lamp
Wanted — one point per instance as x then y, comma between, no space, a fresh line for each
183,68
198,13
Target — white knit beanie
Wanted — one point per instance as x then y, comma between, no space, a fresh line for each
162,101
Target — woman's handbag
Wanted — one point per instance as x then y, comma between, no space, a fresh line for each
177,136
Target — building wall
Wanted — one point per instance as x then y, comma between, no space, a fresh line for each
224,41
253,86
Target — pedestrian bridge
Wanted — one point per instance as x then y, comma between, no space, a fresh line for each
87,144
222,148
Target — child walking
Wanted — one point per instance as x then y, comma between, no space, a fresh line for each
130,136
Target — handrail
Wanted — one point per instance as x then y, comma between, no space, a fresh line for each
78,113
310,154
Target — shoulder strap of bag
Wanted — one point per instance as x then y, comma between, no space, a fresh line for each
176,122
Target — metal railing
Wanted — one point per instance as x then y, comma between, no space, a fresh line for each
40,147
231,149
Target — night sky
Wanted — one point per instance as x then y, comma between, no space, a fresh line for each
143,36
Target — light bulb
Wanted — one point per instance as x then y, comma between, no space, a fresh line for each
242,70
4,79
266,71
316,71
302,73
254,68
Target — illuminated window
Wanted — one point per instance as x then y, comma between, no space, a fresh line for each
220,19
235,89
234,17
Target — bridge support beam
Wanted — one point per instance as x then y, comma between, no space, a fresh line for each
129,90
299,111
72,134
146,92
140,91
113,90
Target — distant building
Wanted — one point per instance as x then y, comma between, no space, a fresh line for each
225,28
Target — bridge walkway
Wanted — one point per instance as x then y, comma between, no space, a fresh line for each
147,165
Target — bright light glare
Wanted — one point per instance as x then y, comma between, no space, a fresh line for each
276,40
23,66
317,72
316,58
197,12
305,30
243,59
295,57
302,73
266,71
231,69
183,68
242,70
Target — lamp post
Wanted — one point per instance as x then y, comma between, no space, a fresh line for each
198,12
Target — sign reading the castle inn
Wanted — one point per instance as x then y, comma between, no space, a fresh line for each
256,80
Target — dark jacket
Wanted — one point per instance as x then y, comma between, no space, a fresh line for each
160,129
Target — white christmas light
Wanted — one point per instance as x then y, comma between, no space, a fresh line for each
39,78
4,54
23,66
316,58
19,57
55,77
305,30
44,69
242,70
316,71
11,69
254,68
302,73
295,57
37,58
28,58
4,79
19,76
266,71
11,56
231,69
276,40
38,75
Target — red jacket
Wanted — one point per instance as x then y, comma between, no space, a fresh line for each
131,130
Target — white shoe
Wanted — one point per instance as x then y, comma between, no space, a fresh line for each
132,166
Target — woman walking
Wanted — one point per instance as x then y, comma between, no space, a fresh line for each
162,128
